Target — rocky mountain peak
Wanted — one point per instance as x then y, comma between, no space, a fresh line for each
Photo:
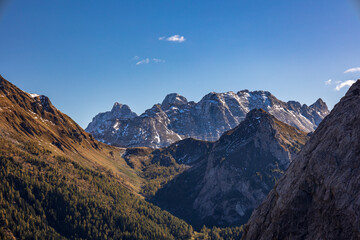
210,96
256,114
320,104
122,111
173,99
252,121
294,105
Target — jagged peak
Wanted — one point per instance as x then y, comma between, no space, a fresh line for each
212,96
122,111
174,99
320,104
154,109
294,104
320,101
243,91
252,120
118,106
262,92
257,92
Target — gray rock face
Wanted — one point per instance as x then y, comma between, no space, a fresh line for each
235,175
319,195
176,118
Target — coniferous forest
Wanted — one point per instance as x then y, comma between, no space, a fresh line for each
47,197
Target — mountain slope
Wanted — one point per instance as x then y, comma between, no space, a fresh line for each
159,166
58,182
176,118
319,196
32,120
234,176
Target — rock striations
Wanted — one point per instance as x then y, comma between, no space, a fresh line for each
215,113
319,195
224,185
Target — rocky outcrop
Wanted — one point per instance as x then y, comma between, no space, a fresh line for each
176,118
319,195
223,186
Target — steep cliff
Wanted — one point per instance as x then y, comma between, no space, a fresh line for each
319,195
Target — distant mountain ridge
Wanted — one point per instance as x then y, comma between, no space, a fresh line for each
176,118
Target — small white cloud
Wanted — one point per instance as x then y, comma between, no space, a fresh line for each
328,82
175,38
136,58
144,61
157,60
149,60
353,70
340,85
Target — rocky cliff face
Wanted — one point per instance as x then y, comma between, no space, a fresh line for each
176,118
319,195
235,175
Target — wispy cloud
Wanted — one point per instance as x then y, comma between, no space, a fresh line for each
340,85
328,82
175,38
157,60
140,61
144,61
353,70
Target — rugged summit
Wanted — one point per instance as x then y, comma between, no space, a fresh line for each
234,176
319,195
215,113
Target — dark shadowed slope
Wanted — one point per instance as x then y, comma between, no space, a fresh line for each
319,195
234,176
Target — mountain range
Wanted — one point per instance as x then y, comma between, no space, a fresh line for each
59,182
176,118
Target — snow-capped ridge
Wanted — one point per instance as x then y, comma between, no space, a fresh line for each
177,118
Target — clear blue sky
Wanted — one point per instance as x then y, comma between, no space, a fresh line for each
82,53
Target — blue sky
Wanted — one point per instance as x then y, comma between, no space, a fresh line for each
83,54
